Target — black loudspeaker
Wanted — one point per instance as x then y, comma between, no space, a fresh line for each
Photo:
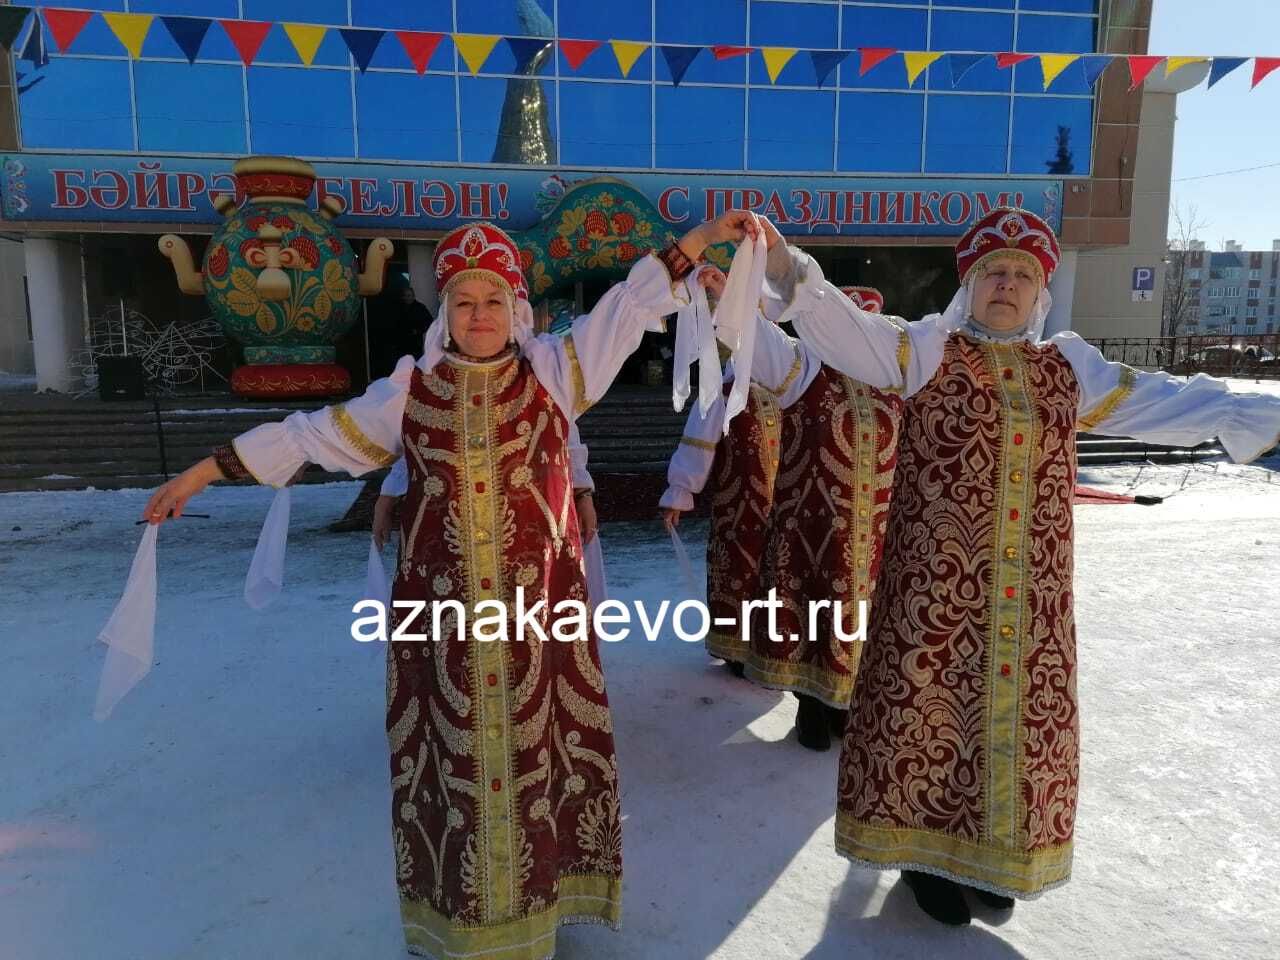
121,378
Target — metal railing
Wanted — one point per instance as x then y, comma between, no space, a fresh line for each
1256,356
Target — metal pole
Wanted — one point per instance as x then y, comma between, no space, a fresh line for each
124,329
164,459
368,370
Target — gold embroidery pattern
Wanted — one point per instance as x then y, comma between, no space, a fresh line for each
350,431
580,403
904,356
697,442
794,372
1107,406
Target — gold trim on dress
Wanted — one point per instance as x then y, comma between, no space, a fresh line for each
583,898
1108,404
580,403
904,356
808,679
989,866
697,442
791,374
727,646
350,431
1009,616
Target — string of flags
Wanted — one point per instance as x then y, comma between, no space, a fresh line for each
64,25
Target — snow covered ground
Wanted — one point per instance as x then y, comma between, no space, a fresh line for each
17,382
235,806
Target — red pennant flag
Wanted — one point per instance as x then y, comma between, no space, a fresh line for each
724,52
1139,68
1006,60
247,35
576,51
872,56
1262,67
420,47
65,25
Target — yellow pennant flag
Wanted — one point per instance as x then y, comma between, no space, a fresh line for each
130,29
918,63
475,48
627,52
306,39
775,58
1174,64
1052,64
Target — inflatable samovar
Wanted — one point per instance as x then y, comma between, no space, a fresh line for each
281,280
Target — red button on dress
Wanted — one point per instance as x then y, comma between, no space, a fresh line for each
1009,592
1017,439
1008,373
496,786
1014,514
1005,670
485,583
477,400
480,487
491,679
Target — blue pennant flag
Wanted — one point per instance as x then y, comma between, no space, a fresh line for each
824,61
1222,66
525,49
363,44
1094,66
678,60
34,49
962,63
188,33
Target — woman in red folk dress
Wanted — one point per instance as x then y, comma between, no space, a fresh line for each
505,808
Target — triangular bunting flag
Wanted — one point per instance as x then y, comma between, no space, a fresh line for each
870,56
306,39
11,21
824,61
627,53
1262,68
475,48
363,44
678,60
1222,66
1006,60
576,51
526,49
962,63
1052,64
1094,66
775,58
420,47
917,63
65,25
1140,68
1173,64
723,52
34,49
188,33
247,35
130,29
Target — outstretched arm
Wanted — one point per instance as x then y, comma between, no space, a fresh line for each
353,437
1119,401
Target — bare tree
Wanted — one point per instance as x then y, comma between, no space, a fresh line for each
1179,295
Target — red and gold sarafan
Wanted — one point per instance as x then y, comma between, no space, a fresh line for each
962,752
746,463
840,442
504,778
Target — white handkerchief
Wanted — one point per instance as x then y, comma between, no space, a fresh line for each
131,630
266,570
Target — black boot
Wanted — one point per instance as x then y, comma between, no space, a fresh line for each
837,720
938,897
735,668
811,724
993,900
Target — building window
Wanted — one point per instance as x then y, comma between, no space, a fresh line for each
1233,273
1193,273
1215,292
1233,291
1251,312
1255,274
